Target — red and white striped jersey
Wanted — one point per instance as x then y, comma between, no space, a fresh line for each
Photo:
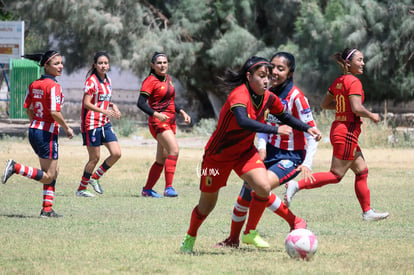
101,93
297,105
43,97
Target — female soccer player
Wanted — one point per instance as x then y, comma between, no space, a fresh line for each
43,104
157,100
96,127
346,97
231,147
284,156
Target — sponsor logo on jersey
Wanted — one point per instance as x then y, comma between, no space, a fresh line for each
58,99
272,119
105,97
305,111
37,93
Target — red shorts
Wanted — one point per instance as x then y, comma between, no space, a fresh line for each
214,173
156,126
344,139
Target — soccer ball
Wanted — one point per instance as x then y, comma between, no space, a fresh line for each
301,244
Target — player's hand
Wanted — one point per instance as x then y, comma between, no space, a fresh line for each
187,118
284,130
306,173
315,133
161,117
375,118
69,133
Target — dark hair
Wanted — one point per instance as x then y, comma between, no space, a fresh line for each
290,57
98,54
342,58
232,79
42,58
154,59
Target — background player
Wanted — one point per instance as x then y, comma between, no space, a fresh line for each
96,126
157,99
43,104
345,96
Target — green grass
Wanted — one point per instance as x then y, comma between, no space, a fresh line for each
121,232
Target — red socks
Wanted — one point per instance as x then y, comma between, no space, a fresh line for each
241,207
170,164
277,206
196,220
362,191
28,172
321,179
154,175
257,206
48,196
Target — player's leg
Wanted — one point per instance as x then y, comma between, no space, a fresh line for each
155,173
362,192
168,140
50,166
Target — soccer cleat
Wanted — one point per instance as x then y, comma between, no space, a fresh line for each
84,193
229,242
8,170
371,215
298,224
96,186
150,193
170,192
50,214
291,188
187,244
254,238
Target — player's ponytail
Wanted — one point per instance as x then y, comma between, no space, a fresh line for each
42,58
342,58
232,79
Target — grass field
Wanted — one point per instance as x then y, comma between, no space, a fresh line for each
121,232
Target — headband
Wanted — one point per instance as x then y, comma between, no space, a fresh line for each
155,56
53,55
349,55
258,63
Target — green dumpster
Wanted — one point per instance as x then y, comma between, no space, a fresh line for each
22,73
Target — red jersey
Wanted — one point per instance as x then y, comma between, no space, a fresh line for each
43,97
229,140
297,105
101,93
161,93
342,88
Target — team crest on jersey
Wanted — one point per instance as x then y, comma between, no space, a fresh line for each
339,86
58,99
209,181
285,104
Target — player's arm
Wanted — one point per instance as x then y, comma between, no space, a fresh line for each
30,113
240,112
299,125
143,105
328,102
58,117
360,110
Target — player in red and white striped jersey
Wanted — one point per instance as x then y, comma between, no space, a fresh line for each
96,127
43,104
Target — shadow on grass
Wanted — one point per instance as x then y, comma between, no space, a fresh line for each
225,251
18,216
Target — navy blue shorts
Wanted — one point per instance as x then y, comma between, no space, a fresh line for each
45,144
283,163
99,136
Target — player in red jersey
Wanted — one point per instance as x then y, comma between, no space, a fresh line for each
285,156
96,127
43,104
346,97
231,147
157,101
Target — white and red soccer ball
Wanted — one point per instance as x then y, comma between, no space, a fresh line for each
301,244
